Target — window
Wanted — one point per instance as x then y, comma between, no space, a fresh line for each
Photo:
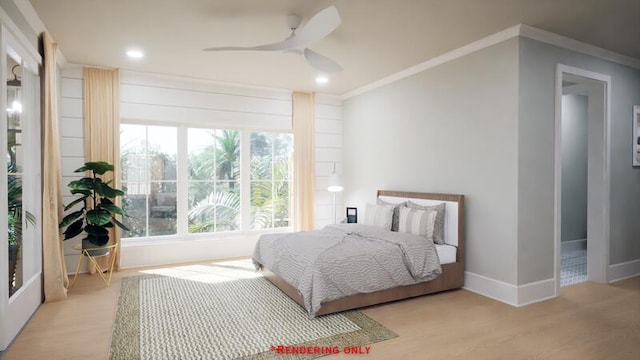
218,180
149,179
270,179
214,180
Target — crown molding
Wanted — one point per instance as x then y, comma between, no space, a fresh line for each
577,46
506,34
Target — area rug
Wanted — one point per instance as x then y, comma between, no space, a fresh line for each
211,316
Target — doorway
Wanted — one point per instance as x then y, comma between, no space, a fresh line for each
581,230
573,231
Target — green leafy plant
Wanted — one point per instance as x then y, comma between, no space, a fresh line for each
99,211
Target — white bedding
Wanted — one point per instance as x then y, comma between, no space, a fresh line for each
446,253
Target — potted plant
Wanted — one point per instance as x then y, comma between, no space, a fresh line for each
98,212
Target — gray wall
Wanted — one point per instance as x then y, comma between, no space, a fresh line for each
574,167
449,129
536,160
483,125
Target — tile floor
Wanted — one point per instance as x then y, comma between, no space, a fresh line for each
573,267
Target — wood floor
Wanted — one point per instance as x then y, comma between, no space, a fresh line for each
588,321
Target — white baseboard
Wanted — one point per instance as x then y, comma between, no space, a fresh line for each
573,245
536,291
514,295
166,253
624,270
491,288
144,254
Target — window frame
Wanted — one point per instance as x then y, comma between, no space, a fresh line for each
182,187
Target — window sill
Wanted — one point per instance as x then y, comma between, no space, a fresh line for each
222,236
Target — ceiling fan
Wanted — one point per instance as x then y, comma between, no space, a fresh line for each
318,27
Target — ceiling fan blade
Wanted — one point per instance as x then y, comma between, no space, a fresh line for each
319,26
282,45
321,62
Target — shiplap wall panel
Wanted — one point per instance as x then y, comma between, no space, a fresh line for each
71,107
328,151
328,99
172,82
329,155
181,100
71,128
329,140
324,111
72,147
174,100
73,72
328,126
168,99
138,94
203,117
70,164
71,88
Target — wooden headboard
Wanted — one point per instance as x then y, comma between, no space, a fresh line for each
459,199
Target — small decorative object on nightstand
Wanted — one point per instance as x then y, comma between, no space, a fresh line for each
352,215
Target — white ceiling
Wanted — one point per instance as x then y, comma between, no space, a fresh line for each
377,38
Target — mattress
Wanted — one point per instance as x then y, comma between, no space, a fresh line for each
446,253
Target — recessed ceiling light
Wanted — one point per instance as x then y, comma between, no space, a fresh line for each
135,54
321,79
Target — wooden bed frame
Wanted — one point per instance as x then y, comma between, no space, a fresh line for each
452,274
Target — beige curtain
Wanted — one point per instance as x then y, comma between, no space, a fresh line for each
303,163
102,130
53,266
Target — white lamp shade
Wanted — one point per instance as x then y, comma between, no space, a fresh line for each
335,183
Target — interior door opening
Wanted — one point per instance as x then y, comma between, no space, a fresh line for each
582,177
574,238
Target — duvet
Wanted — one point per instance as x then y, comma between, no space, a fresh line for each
346,259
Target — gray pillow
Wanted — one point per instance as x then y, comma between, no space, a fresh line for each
438,232
379,215
396,212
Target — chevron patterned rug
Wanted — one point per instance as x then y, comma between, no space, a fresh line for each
226,311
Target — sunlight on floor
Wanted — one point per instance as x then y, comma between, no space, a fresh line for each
215,272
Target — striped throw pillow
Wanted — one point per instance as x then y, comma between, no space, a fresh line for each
418,222
438,232
379,215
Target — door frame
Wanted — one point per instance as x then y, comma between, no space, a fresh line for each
16,310
598,273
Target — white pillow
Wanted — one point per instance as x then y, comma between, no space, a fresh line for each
418,222
379,215
394,221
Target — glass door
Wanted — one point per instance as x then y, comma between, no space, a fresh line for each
20,188
15,158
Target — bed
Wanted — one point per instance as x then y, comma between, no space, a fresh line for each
449,274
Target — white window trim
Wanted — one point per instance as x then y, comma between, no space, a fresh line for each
182,188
